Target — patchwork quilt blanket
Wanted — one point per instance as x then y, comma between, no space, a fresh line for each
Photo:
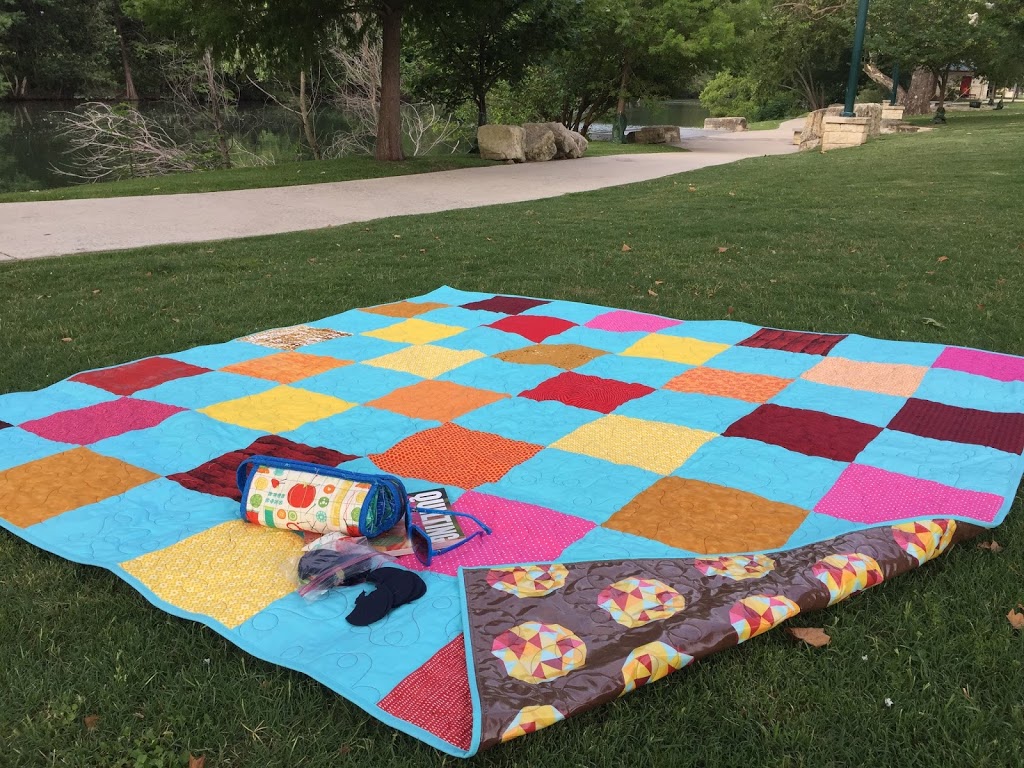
658,489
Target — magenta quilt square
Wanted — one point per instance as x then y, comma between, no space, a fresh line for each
870,496
990,364
1002,431
217,476
624,321
536,328
793,341
808,432
85,426
508,305
590,392
521,533
143,374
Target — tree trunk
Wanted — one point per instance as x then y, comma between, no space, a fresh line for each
217,109
389,117
884,80
307,123
620,109
943,85
481,109
129,83
922,89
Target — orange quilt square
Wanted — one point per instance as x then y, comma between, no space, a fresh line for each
405,308
751,387
436,400
453,455
286,367
565,356
706,518
42,489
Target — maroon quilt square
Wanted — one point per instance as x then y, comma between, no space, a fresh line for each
590,392
143,374
1002,431
85,426
808,432
536,328
508,305
217,476
793,341
4,425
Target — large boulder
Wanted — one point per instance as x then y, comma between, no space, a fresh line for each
725,124
581,142
654,134
502,142
540,142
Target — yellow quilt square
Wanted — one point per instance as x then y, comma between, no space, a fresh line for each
676,349
651,445
426,361
415,331
229,572
280,409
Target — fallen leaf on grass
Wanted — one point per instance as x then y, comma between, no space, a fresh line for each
930,272
732,194
197,762
694,189
659,282
67,339
723,248
991,546
813,636
730,310
626,248
943,258
95,291
91,721
1016,619
981,307
932,321
651,293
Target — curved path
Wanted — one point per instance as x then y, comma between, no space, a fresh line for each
34,230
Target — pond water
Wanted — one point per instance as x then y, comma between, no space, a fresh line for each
31,147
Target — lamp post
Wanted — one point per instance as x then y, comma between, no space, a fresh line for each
895,85
858,49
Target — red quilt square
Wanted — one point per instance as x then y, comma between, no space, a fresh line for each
217,476
85,426
793,341
808,432
590,392
536,328
436,697
508,305
1002,431
143,374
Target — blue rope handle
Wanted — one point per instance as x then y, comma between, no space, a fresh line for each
385,503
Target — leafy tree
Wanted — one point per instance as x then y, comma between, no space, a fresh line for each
998,50
468,48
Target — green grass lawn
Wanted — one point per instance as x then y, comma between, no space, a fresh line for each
288,174
871,240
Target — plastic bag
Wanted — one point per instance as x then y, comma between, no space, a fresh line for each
336,560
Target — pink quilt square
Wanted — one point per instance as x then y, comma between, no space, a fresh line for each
624,321
536,328
522,533
142,374
85,426
868,495
990,364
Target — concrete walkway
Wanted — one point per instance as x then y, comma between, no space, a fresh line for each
34,230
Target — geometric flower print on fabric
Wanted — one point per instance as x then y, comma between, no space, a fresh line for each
290,339
536,328
651,662
924,540
737,567
506,305
753,615
528,580
845,575
793,341
590,392
93,423
808,432
144,374
531,720
217,476
535,653
436,696
634,602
